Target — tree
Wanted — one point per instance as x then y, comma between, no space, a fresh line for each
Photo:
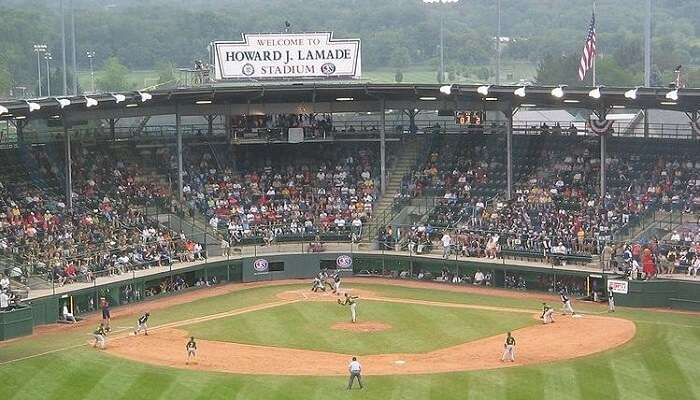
398,76
165,73
483,73
113,76
609,72
5,80
563,70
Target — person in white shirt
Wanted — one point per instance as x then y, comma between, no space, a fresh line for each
4,283
446,242
225,247
355,373
68,316
4,301
478,277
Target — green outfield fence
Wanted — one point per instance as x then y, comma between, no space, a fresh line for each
267,267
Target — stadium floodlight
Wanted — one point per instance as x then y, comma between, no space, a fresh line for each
668,103
491,99
632,94
427,98
33,106
595,93
520,92
3,110
201,102
483,90
528,105
20,117
90,102
145,96
118,98
63,103
558,91
672,95
344,99
446,89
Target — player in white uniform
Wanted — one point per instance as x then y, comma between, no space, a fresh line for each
336,283
191,347
317,285
509,349
611,300
547,314
352,302
566,304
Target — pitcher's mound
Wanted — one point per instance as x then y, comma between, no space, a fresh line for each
366,326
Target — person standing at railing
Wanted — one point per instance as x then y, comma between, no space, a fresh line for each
446,244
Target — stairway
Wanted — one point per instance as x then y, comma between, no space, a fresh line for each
382,213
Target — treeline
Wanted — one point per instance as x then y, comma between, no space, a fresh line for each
399,33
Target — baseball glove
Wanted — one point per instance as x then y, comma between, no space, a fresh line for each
340,302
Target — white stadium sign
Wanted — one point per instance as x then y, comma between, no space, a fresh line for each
287,55
618,286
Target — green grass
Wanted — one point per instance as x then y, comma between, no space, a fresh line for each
661,362
307,326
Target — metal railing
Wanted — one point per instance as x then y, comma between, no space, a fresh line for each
349,129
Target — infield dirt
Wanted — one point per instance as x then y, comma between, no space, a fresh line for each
567,338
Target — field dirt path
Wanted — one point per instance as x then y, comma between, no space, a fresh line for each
567,338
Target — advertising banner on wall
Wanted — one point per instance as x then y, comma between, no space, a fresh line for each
261,267
618,286
343,263
286,56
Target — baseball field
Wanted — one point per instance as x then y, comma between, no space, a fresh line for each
414,340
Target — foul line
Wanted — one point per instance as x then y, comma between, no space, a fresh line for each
164,326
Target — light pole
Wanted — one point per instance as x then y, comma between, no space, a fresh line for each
498,45
48,59
90,55
39,49
647,45
442,35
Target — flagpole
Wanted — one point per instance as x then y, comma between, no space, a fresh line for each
596,51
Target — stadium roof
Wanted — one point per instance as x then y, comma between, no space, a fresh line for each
307,97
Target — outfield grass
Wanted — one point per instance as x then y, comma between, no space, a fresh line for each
307,326
661,362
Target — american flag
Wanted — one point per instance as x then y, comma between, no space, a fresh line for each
589,51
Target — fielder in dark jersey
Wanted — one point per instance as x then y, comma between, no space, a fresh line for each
142,324
106,317
191,347
509,349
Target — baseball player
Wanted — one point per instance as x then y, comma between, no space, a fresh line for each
611,300
141,324
509,349
106,317
317,285
100,336
566,304
547,314
336,283
191,347
352,302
